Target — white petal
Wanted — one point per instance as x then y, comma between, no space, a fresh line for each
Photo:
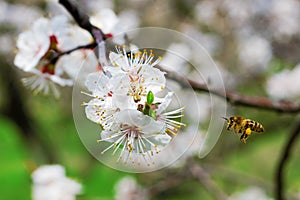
120,84
106,19
61,81
123,101
154,79
83,60
92,110
119,60
30,50
97,83
136,118
48,173
165,103
160,139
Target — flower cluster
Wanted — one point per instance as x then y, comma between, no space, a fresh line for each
53,50
128,188
125,103
50,182
39,46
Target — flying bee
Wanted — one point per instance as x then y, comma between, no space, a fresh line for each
243,126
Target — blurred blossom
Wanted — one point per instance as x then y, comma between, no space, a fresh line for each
241,12
203,102
138,3
55,8
255,53
37,46
250,194
285,85
128,19
188,142
213,78
284,16
105,19
51,183
229,79
3,9
94,6
176,58
20,16
206,11
210,42
128,189
112,25
184,140
7,43
238,11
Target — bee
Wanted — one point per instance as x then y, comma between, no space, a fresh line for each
243,126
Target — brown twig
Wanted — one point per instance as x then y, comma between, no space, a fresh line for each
204,178
279,189
168,183
235,98
83,20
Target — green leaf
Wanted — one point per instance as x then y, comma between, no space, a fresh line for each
150,97
146,110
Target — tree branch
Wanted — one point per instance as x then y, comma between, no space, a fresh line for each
279,189
168,183
235,98
83,20
204,178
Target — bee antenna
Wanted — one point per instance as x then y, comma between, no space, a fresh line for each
224,118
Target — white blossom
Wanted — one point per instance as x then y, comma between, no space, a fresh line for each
135,75
188,142
94,6
133,119
206,11
18,15
113,25
45,83
102,108
250,194
83,60
7,43
255,53
137,134
127,188
51,183
176,58
285,85
105,19
37,46
284,15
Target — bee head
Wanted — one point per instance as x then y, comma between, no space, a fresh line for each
230,120
225,118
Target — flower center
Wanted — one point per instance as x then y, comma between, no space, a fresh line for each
130,131
47,64
48,69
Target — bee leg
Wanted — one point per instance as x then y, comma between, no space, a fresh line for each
245,135
229,126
